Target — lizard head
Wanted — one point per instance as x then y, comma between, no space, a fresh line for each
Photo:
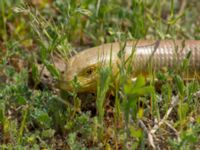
82,69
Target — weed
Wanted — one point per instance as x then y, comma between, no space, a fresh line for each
140,115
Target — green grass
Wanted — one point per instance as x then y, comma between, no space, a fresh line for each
35,115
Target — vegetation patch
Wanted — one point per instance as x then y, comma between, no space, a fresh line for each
37,38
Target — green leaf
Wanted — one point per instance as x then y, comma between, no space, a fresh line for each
134,87
42,118
2,112
48,133
136,133
21,100
180,84
138,91
43,52
35,72
139,82
183,110
186,61
51,68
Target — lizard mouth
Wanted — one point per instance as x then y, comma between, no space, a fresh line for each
80,85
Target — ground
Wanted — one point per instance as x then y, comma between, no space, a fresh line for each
36,39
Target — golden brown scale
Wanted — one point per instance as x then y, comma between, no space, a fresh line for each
145,54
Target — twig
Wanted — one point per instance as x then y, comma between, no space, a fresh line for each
174,102
197,94
182,8
172,128
149,134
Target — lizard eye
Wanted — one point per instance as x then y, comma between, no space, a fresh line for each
89,71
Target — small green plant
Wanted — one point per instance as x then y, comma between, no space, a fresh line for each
140,113
102,89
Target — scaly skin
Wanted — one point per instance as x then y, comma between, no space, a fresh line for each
143,53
